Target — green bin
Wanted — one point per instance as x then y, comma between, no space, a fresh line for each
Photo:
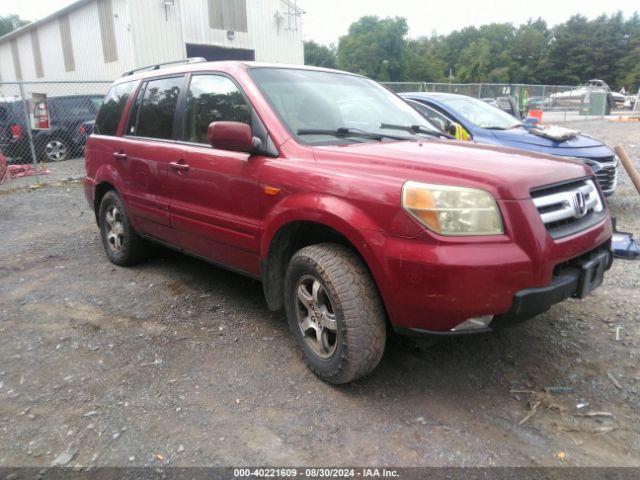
596,104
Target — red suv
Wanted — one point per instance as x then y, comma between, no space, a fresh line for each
348,206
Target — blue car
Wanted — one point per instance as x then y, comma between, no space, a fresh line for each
486,124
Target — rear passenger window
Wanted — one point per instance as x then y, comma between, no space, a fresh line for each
158,107
112,108
213,98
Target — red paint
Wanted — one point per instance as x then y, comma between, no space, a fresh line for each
212,202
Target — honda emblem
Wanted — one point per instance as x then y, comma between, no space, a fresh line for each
579,205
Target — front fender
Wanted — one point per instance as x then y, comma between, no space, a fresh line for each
334,212
355,225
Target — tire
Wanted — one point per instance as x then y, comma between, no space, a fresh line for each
56,149
121,243
340,294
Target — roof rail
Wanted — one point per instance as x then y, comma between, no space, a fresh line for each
158,66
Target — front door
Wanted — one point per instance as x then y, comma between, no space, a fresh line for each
215,193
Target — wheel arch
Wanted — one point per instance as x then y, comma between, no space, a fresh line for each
106,178
291,232
102,189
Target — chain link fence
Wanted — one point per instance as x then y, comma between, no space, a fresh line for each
43,122
567,99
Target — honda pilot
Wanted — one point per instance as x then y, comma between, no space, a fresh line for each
348,206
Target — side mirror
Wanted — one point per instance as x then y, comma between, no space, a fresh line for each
232,136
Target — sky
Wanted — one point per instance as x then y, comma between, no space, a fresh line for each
326,21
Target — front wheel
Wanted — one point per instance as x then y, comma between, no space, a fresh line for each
335,312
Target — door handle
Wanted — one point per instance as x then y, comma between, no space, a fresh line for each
180,167
120,155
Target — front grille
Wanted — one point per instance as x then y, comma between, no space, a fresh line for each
608,176
569,207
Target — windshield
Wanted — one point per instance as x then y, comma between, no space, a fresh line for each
481,113
311,100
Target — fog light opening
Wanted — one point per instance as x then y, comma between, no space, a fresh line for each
475,323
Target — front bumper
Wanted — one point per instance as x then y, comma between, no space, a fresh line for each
575,279
435,285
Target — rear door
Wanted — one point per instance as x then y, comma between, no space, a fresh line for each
147,149
215,194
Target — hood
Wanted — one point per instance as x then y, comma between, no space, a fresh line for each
522,135
508,174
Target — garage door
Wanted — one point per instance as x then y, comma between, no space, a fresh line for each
213,54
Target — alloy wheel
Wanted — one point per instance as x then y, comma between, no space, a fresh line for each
316,317
115,228
55,150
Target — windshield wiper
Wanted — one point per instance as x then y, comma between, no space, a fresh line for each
415,129
343,132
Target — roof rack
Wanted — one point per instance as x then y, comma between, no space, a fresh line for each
158,66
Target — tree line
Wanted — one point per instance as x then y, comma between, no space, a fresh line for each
570,53
9,23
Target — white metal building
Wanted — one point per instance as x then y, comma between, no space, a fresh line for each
100,39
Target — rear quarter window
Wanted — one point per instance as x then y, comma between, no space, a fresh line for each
113,107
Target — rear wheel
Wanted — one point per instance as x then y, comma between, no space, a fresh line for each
335,312
121,243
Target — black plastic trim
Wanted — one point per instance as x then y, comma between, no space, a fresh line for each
419,332
224,266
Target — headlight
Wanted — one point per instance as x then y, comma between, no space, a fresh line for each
452,210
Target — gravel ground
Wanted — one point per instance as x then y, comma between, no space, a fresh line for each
176,362
57,172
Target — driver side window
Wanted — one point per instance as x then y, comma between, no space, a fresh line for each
213,98
432,115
